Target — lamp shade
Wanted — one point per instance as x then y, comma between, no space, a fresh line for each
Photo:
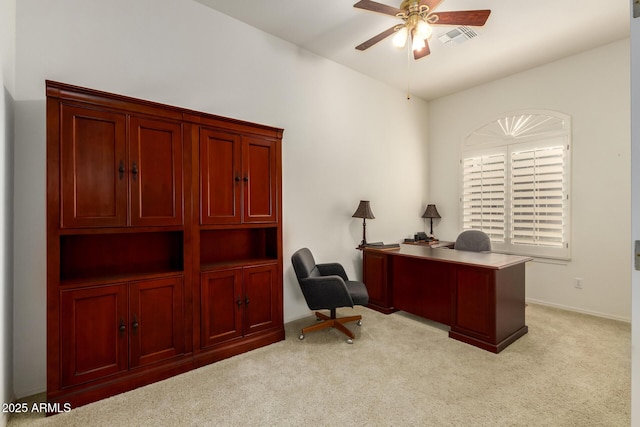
364,210
431,212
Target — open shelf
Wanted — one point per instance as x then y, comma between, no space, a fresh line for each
236,247
99,257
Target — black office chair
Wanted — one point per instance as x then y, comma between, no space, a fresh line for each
474,241
326,287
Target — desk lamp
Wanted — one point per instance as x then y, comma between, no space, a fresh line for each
431,212
364,211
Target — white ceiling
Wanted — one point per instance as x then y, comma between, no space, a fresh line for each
519,34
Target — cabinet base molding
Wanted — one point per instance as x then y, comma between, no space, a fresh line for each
227,350
79,396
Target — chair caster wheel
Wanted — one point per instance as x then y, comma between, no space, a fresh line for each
301,337
349,341
359,323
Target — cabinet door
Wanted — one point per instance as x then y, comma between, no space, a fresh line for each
156,320
155,172
221,302
94,330
374,276
220,177
260,180
93,182
261,298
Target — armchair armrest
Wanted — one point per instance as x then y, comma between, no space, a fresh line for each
326,292
332,269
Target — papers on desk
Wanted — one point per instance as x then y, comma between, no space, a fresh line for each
383,247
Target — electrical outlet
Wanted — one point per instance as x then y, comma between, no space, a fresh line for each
577,283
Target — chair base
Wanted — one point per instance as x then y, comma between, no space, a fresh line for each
333,322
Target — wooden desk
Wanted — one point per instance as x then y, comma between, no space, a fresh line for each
479,295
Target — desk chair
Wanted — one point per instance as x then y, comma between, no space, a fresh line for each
326,287
474,241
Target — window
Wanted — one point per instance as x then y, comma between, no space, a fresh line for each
515,184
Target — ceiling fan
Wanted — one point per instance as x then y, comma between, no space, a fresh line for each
417,17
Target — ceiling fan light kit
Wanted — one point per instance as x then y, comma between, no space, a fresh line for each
418,17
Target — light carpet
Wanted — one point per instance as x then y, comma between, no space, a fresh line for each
569,370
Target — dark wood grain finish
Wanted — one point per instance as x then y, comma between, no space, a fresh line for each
374,275
92,151
220,177
144,199
422,287
261,298
221,306
479,295
377,38
97,257
377,7
260,179
238,301
156,307
155,172
476,18
93,344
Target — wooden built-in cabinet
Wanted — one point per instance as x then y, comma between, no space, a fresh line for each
164,241
237,177
150,327
237,302
119,169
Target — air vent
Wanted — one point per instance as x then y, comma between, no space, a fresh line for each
458,35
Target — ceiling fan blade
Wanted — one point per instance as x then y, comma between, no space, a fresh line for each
377,7
474,18
431,3
417,54
375,39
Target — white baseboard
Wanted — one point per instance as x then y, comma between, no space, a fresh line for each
578,310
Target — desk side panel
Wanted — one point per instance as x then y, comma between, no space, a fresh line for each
375,277
510,301
474,298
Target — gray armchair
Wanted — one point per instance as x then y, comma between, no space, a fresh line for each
474,241
326,287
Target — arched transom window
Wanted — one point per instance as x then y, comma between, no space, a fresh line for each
515,183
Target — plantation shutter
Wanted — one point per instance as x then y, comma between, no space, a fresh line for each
538,197
483,194
516,181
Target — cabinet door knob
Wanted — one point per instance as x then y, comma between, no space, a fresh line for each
121,169
246,300
239,302
246,178
134,169
122,327
135,324
238,179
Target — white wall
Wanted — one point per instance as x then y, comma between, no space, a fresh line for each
7,62
593,88
635,215
346,136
